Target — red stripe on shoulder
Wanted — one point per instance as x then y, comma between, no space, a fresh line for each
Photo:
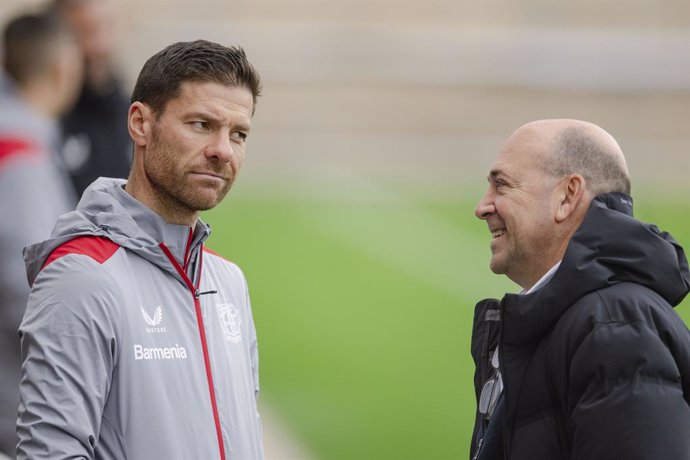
215,254
15,146
98,248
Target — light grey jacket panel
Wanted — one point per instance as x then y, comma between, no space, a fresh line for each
134,383
33,193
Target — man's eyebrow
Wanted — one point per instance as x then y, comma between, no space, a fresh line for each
242,126
199,114
496,172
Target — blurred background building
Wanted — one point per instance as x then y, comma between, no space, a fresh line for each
430,89
378,122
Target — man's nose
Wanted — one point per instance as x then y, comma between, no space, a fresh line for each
485,207
221,149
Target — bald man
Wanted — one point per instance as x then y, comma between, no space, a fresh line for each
589,361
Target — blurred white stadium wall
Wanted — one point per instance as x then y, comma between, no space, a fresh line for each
427,91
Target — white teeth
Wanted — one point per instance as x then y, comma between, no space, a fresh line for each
497,233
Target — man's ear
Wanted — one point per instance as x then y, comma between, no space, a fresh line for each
139,121
571,196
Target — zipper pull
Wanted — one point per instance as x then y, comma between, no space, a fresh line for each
198,293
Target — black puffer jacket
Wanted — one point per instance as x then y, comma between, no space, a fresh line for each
596,364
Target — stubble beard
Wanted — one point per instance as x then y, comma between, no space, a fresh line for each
171,187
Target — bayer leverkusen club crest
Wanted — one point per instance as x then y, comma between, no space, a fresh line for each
229,322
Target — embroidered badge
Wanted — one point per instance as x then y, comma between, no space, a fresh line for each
229,322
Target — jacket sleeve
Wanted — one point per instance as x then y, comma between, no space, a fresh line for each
625,396
69,347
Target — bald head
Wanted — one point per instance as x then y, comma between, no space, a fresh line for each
540,189
580,147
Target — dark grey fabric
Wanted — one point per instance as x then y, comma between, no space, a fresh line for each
492,442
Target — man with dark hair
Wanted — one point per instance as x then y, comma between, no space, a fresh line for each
41,67
138,342
160,78
95,129
589,361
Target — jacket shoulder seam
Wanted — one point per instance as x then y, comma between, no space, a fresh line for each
98,248
214,253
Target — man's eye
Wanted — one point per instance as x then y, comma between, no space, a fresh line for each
239,135
200,125
500,185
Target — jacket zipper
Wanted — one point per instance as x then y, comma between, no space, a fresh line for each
188,250
202,332
484,370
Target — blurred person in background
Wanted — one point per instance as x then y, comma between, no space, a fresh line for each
41,68
96,141
137,341
589,361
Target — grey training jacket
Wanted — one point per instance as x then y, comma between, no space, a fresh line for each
137,342
34,191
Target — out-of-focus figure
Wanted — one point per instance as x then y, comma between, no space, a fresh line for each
95,129
42,73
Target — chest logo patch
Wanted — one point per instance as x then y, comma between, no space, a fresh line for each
229,322
153,324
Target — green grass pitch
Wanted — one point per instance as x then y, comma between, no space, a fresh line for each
364,309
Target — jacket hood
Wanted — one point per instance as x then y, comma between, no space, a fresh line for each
106,210
609,247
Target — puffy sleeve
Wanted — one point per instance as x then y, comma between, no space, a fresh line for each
626,392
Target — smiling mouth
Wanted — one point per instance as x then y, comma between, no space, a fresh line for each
498,232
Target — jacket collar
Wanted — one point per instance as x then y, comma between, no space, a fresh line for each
175,237
609,247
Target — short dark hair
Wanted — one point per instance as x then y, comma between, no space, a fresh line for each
202,61
30,44
576,152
